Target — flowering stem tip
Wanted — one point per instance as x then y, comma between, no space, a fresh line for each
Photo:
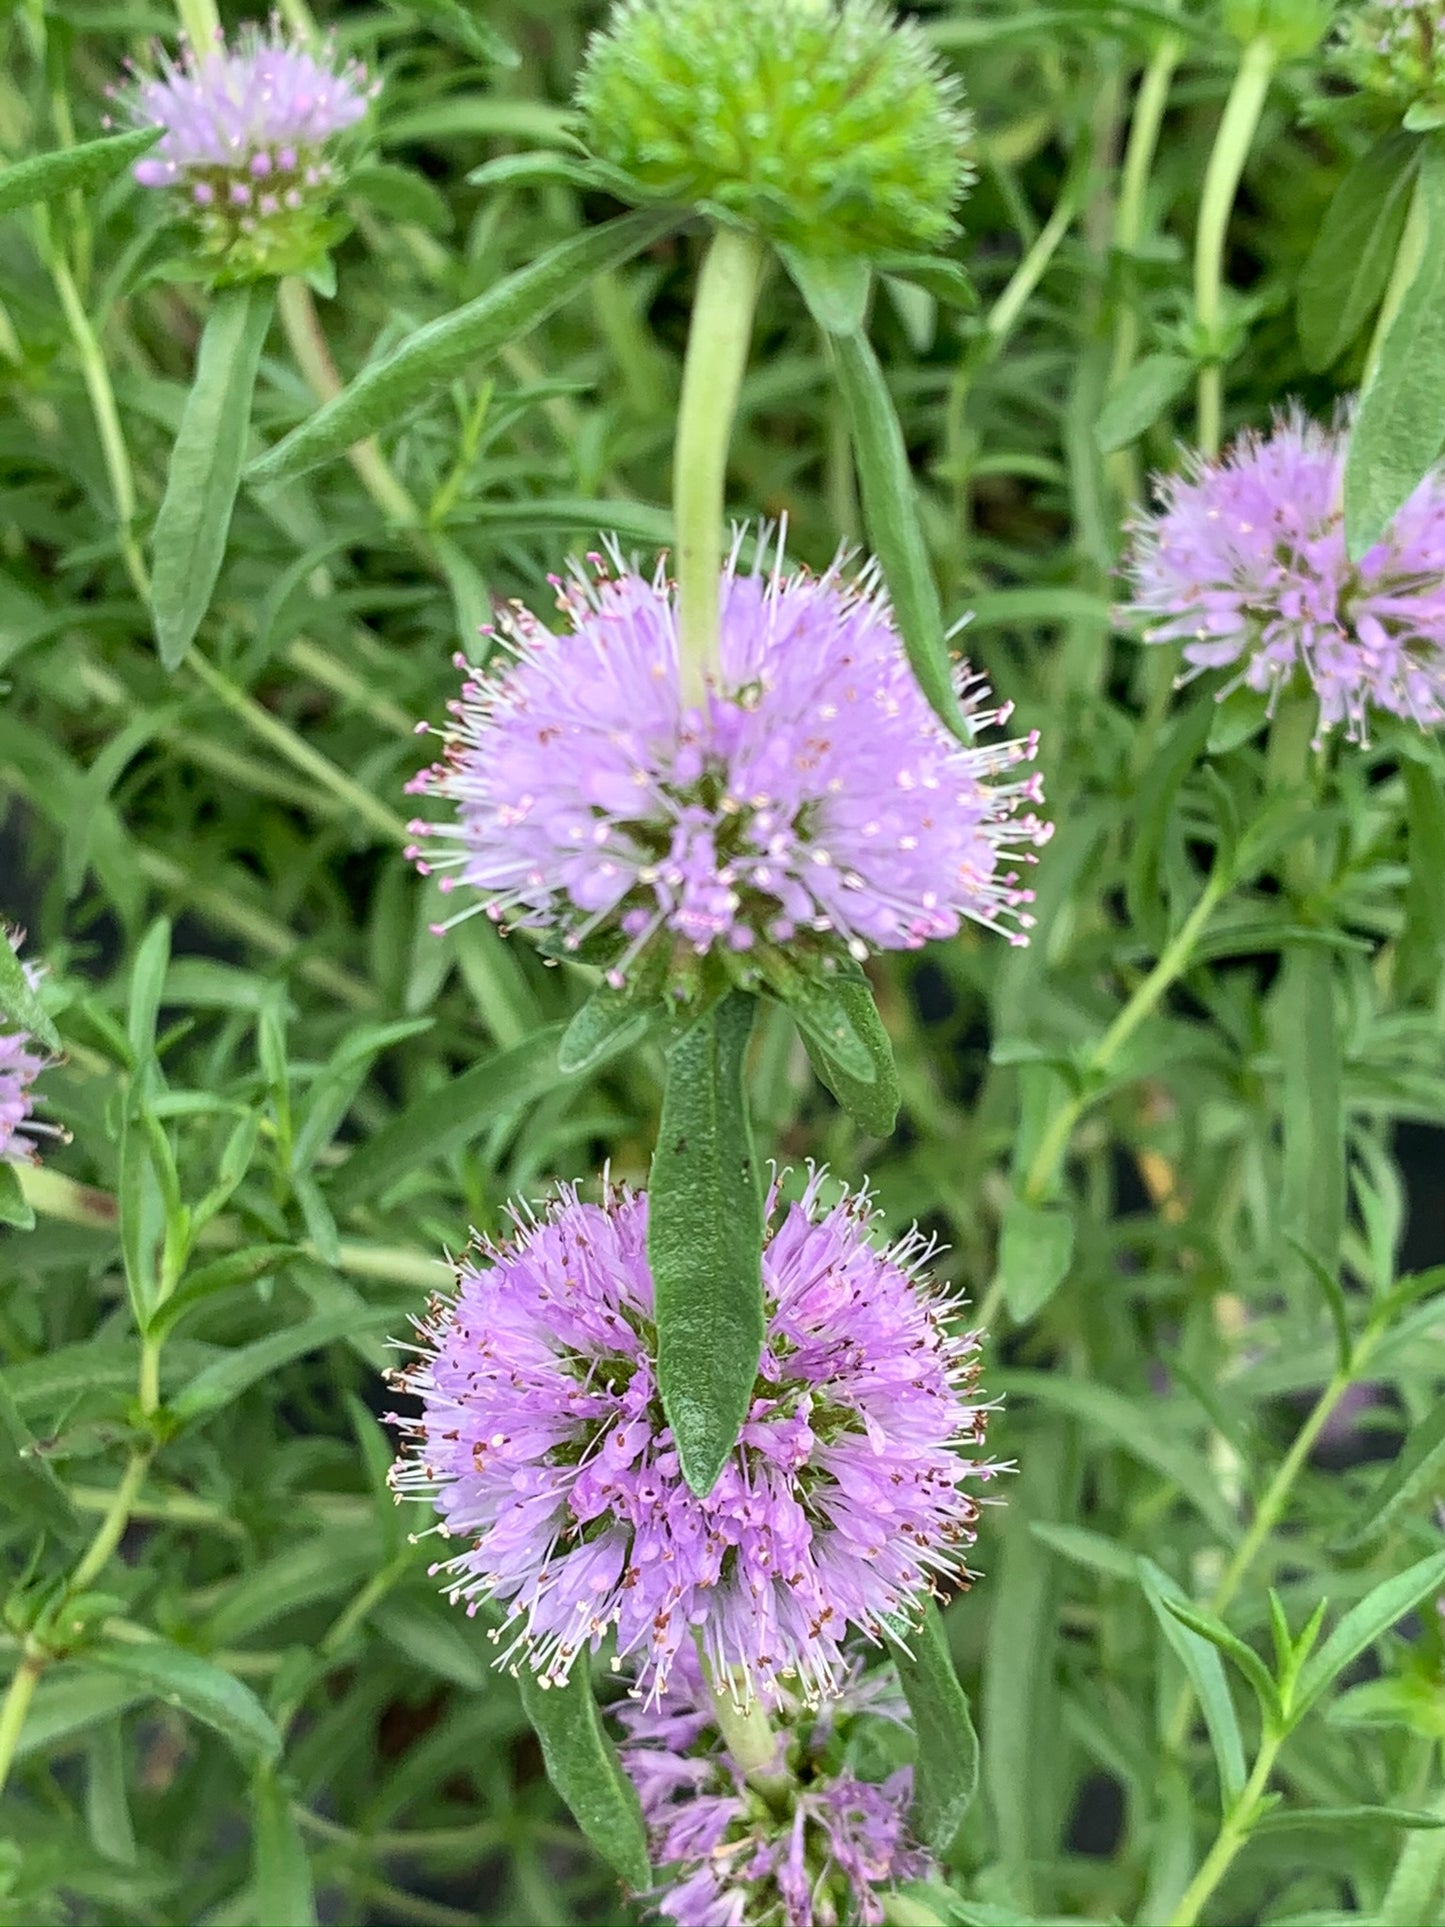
717,353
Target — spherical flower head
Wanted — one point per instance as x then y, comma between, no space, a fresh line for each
543,1446
818,805
1396,48
247,147
1246,563
820,1852
20,1064
831,128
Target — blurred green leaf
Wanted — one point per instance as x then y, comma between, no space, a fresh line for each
1399,427
457,343
79,170
206,1691
1350,263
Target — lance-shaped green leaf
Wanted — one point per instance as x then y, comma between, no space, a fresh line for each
872,1101
1399,430
1350,263
1419,1469
582,1764
1376,1613
19,1004
205,471
946,1772
704,1241
1140,399
1206,1674
890,506
284,1895
198,1687
15,1208
609,1022
82,169
458,343
1036,1248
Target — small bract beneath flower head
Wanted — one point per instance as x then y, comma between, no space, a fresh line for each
1292,27
818,1853
543,1445
830,127
247,130
1246,563
20,1064
1396,48
818,806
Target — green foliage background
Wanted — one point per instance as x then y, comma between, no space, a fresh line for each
263,1709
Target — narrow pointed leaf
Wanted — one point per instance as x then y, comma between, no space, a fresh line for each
871,1102
1140,399
205,472
1376,1613
608,1023
704,1241
946,1773
836,288
458,343
83,169
1350,263
15,1207
1399,430
582,1764
1206,1675
206,1691
1419,1469
1036,1248
444,1119
890,507
19,1005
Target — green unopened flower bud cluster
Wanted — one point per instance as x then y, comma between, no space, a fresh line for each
1292,27
1396,48
830,128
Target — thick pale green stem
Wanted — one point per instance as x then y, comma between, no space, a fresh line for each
17,1705
747,1733
1221,183
717,353
1408,257
200,22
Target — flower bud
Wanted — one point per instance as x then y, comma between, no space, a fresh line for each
827,126
1396,48
246,149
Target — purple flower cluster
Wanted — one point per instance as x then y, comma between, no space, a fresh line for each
817,802
543,1446
20,1065
820,1861
245,132
1246,563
